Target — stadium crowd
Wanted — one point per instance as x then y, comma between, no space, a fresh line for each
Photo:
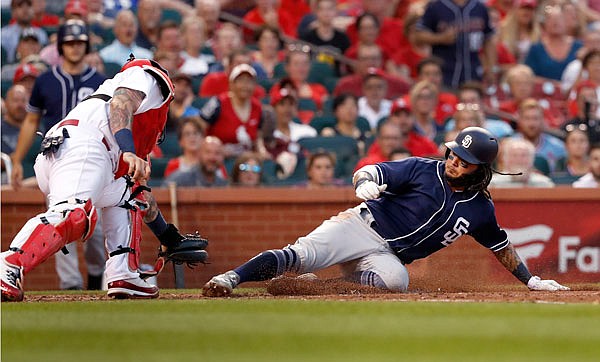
303,92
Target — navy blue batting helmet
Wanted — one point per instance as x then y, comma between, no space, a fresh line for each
73,30
475,145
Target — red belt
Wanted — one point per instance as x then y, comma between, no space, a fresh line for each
75,122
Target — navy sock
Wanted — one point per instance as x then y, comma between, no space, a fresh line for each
267,265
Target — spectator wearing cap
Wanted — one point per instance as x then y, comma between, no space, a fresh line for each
235,116
283,146
369,56
28,46
124,44
74,9
22,13
25,75
417,144
372,105
181,106
216,83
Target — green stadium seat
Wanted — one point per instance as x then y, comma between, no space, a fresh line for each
110,69
307,104
170,14
5,16
170,145
196,83
330,83
345,149
541,164
279,71
363,124
5,85
29,159
319,72
199,102
321,122
159,165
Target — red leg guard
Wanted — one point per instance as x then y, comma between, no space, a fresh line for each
47,239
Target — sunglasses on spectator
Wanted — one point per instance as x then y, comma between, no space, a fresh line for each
299,48
572,127
250,168
467,107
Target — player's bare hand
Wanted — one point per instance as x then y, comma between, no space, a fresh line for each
16,176
369,190
536,283
139,170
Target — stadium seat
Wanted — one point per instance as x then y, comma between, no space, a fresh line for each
5,85
321,122
330,83
541,164
319,72
5,16
345,149
159,165
279,71
196,82
307,104
110,69
363,124
564,179
170,14
199,102
170,145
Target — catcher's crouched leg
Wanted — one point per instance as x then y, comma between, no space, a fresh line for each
180,249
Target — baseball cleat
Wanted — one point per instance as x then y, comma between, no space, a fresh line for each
221,285
11,282
133,288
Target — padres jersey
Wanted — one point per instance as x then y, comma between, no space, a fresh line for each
419,214
56,92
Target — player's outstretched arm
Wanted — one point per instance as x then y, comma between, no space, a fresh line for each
513,263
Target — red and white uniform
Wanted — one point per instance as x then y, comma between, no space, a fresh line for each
86,165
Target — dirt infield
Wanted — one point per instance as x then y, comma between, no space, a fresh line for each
291,288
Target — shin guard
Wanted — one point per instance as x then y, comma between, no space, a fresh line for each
47,233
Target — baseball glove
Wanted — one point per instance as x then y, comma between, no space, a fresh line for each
180,249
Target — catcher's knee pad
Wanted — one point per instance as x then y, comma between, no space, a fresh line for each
44,235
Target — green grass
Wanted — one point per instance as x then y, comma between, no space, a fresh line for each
289,330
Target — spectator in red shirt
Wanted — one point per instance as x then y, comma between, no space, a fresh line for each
370,56
390,37
271,13
406,60
235,116
389,138
218,82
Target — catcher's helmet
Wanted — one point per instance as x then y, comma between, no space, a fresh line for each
475,145
72,30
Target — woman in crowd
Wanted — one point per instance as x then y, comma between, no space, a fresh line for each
577,144
519,29
268,54
247,170
189,135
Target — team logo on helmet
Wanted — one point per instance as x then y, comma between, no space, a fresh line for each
467,141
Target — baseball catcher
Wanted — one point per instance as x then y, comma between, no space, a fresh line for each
97,157
412,209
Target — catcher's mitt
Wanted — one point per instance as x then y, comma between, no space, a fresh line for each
188,248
